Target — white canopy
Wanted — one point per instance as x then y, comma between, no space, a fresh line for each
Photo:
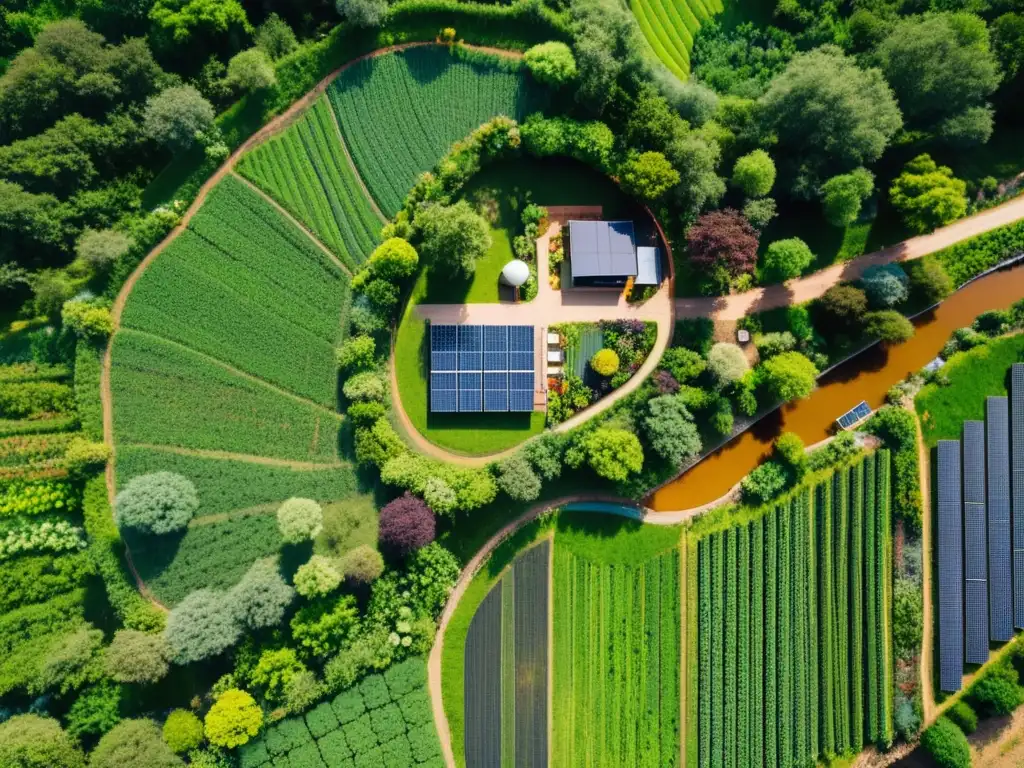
515,273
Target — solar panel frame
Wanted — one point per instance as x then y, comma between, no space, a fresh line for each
471,347
950,566
976,621
1000,549
1017,488
495,348
520,401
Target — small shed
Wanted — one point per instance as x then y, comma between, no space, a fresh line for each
602,253
648,266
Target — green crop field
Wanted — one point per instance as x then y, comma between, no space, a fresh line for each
617,646
793,640
670,26
401,112
245,286
306,171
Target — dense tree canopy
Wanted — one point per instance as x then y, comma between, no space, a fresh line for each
939,65
134,742
830,115
452,237
31,741
670,429
723,240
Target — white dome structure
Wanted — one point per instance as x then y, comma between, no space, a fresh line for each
515,273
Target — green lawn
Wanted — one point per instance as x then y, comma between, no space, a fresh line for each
972,376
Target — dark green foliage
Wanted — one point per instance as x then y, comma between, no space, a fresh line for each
998,690
370,759
27,633
37,578
415,708
965,718
424,743
306,756
947,744
387,722
374,691
95,711
286,736
359,735
253,754
397,753
765,482
348,705
321,720
929,281
133,742
406,677
968,258
334,748
31,741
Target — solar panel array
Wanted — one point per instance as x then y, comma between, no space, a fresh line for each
859,412
950,570
476,368
975,545
1000,559
1017,457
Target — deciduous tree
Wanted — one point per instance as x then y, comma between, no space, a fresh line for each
670,430
133,742
723,239
300,520
785,259
754,173
233,719
842,196
176,116
552,63
927,195
157,503
406,524
137,657
453,237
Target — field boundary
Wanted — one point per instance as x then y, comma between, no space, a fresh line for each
249,458
302,227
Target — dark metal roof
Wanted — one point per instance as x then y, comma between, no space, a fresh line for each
602,248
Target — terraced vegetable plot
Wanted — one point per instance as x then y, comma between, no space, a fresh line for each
506,668
616,654
244,285
400,113
670,26
306,171
792,658
382,720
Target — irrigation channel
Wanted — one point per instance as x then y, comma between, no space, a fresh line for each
867,376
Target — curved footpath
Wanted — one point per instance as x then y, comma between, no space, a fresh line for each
552,306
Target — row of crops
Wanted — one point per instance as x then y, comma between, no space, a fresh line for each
401,112
792,638
306,171
243,285
617,659
670,27
506,668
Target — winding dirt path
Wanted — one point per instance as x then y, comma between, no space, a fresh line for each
248,458
928,635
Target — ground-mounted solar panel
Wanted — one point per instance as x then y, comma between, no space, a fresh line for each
521,381
975,543
520,400
950,566
444,401
443,355
1017,488
471,347
521,355
1000,545
496,400
495,347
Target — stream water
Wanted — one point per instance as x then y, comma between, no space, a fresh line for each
868,376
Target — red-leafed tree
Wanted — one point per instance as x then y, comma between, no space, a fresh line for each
723,239
406,524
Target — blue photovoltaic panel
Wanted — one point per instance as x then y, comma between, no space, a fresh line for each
975,544
520,400
520,381
495,347
470,400
461,355
471,348
950,566
1000,554
496,400
1017,488
443,401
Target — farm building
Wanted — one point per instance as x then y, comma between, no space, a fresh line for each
603,254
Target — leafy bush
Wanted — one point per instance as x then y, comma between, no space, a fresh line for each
406,524
727,363
551,63
31,741
87,319
789,452
754,173
321,627
73,662
362,565
356,353
201,626
274,670
888,326
96,710
316,577
771,344
947,744
158,503
885,285
233,719
34,399
843,195
963,716
133,742
43,535
182,731
841,308
36,498
929,281
993,322
764,483
37,578
300,520
684,364
907,619
517,478
366,413
321,720
927,195
611,452
348,705
364,386
670,430
605,362
788,376
723,240
998,690
787,258
261,598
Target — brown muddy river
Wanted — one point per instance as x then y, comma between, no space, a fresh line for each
866,377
